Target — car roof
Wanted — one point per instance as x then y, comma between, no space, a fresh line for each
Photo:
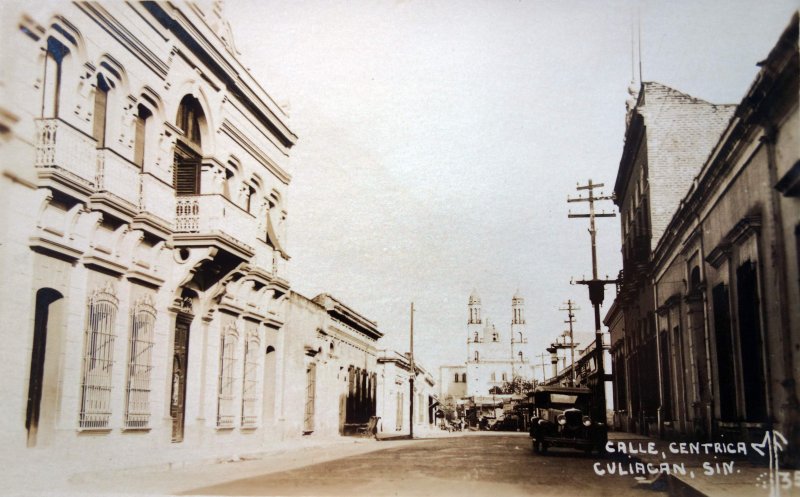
564,390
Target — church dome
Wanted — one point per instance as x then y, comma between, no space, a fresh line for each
517,297
474,299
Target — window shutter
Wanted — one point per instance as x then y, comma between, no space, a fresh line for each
186,177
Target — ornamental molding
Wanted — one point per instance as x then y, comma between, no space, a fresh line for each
254,151
124,37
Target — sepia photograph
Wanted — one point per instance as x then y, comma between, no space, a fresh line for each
400,248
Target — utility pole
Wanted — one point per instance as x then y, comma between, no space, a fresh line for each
543,356
596,287
571,307
411,380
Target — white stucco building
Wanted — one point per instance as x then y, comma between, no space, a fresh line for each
144,177
148,318
394,392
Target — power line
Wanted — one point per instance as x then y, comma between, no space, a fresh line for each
596,286
570,307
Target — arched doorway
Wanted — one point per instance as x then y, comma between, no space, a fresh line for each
47,317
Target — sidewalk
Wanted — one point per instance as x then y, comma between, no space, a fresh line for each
684,469
174,480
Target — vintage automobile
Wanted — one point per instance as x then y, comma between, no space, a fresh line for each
563,418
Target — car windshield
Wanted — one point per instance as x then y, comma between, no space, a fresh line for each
562,398
559,400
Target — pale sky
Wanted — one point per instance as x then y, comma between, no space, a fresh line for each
438,141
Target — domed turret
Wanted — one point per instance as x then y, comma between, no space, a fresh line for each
474,299
517,309
474,308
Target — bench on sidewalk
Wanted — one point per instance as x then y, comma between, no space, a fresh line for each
371,427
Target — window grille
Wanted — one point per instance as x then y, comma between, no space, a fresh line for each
227,366
98,360
140,364
311,381
250,383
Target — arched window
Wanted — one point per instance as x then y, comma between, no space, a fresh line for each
250,203
477,356
520,355
227,366
463,377
694,280
269,383
188,120
456,377
494,336
228,184
51,95
188,149
475,337
504,377
494,376
140,364
250,380
98,360
100,109
140,138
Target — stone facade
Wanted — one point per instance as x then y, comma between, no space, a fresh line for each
723,324
669,135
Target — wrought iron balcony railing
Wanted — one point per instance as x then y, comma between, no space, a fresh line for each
118,176
214,216
66,151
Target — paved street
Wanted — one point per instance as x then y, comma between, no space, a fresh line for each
485,464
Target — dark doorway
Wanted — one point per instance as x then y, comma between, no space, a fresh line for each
755,394
725,367
45,298
179,362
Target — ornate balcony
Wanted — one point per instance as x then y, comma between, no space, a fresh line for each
213,220
118,176
65,156
156,204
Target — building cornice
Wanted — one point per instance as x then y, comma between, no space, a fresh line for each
203,43
634,135
237,136
124,37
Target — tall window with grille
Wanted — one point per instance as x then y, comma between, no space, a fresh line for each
311,389
250,381
227,366
98,360
140,365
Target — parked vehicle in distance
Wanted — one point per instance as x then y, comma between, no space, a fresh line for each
510,422
563,418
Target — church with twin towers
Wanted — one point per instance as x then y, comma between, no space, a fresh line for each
496,353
